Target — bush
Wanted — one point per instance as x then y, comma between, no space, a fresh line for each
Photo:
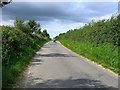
19,45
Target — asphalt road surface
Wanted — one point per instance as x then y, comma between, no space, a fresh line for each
54,66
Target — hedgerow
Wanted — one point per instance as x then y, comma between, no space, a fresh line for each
98,41
19,44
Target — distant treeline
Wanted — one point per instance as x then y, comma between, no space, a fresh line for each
19,44
98,41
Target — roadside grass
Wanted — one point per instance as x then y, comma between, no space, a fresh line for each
11,73
104,54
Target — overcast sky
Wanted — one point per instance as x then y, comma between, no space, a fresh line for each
59,17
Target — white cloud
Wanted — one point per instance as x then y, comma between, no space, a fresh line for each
57,27
65,0
54,28
64,18
108,16
9,22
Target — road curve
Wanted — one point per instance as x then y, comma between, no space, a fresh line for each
54,66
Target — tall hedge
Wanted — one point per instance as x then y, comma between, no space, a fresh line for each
103,31
16,38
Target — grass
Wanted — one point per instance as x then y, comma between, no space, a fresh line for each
11,73
104,54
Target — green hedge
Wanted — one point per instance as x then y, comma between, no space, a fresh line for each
18,48
104,31
98,41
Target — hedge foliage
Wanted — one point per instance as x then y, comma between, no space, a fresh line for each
98,41
19,44
15,39
103,31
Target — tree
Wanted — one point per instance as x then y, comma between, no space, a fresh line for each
19,22
38,29
26,29
32,24
45,34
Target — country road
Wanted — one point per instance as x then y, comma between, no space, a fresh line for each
54,66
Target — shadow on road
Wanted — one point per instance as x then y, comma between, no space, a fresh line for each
55,55
77,83
36,61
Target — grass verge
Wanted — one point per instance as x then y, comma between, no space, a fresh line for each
11,73
104,54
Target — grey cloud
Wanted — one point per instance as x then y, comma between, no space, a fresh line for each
62,11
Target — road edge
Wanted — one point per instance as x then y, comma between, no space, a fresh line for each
99,65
